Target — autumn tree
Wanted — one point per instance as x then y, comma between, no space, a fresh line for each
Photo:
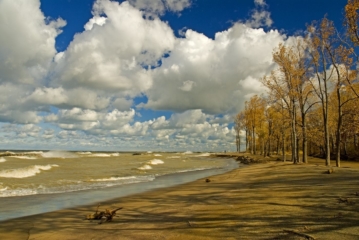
254,109
239,125
319,44
333,65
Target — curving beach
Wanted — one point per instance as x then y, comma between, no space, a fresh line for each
271,200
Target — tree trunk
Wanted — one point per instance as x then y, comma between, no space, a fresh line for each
339,126
254,142
283,147
247,140
294,136
305,140
239,144
327,142
298,159
278,142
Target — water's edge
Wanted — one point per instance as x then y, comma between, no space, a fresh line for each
15,207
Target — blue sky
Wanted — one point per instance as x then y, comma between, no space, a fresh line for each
139,74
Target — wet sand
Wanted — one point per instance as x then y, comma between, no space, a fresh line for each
272,200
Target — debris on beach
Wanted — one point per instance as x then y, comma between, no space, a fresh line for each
345,200
105,216
301,234
248,160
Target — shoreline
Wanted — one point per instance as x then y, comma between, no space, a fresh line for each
23,206
272,200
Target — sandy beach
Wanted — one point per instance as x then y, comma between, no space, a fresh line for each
272,200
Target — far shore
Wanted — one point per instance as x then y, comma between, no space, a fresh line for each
267,200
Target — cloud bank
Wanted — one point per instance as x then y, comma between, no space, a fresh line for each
95,94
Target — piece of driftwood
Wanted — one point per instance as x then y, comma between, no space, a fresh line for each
189,223
307,236
103,216
345,200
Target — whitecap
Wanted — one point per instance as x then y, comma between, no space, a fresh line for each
84,153
24,157
35,152
2,159
101,155
174,157
112,179
155,162
59,154
157,155
26,171
145,167
187,152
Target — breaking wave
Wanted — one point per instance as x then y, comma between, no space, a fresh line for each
2,159
59,154
24,157
187,152
155,162
25,172
130,179
145,167
84,153
112,179
105,155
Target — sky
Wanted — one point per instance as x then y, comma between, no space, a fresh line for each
138,75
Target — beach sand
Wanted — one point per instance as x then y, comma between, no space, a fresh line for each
272,200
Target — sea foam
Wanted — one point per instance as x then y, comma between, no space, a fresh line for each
59,154
26,171
112,179
187,152
24,157
84,153
2,159
145,167
101,155
155,162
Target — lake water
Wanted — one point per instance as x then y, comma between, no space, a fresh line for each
37,182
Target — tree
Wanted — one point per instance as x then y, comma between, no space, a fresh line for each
254,109
334,61
319,43
239,125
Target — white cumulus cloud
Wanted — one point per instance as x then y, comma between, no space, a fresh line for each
222,71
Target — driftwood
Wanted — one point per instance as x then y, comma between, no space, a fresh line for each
248,160
345,200
307,236
105,216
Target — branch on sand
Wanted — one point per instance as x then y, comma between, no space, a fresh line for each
307,236
105,216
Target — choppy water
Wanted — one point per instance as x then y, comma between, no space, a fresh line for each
52,172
